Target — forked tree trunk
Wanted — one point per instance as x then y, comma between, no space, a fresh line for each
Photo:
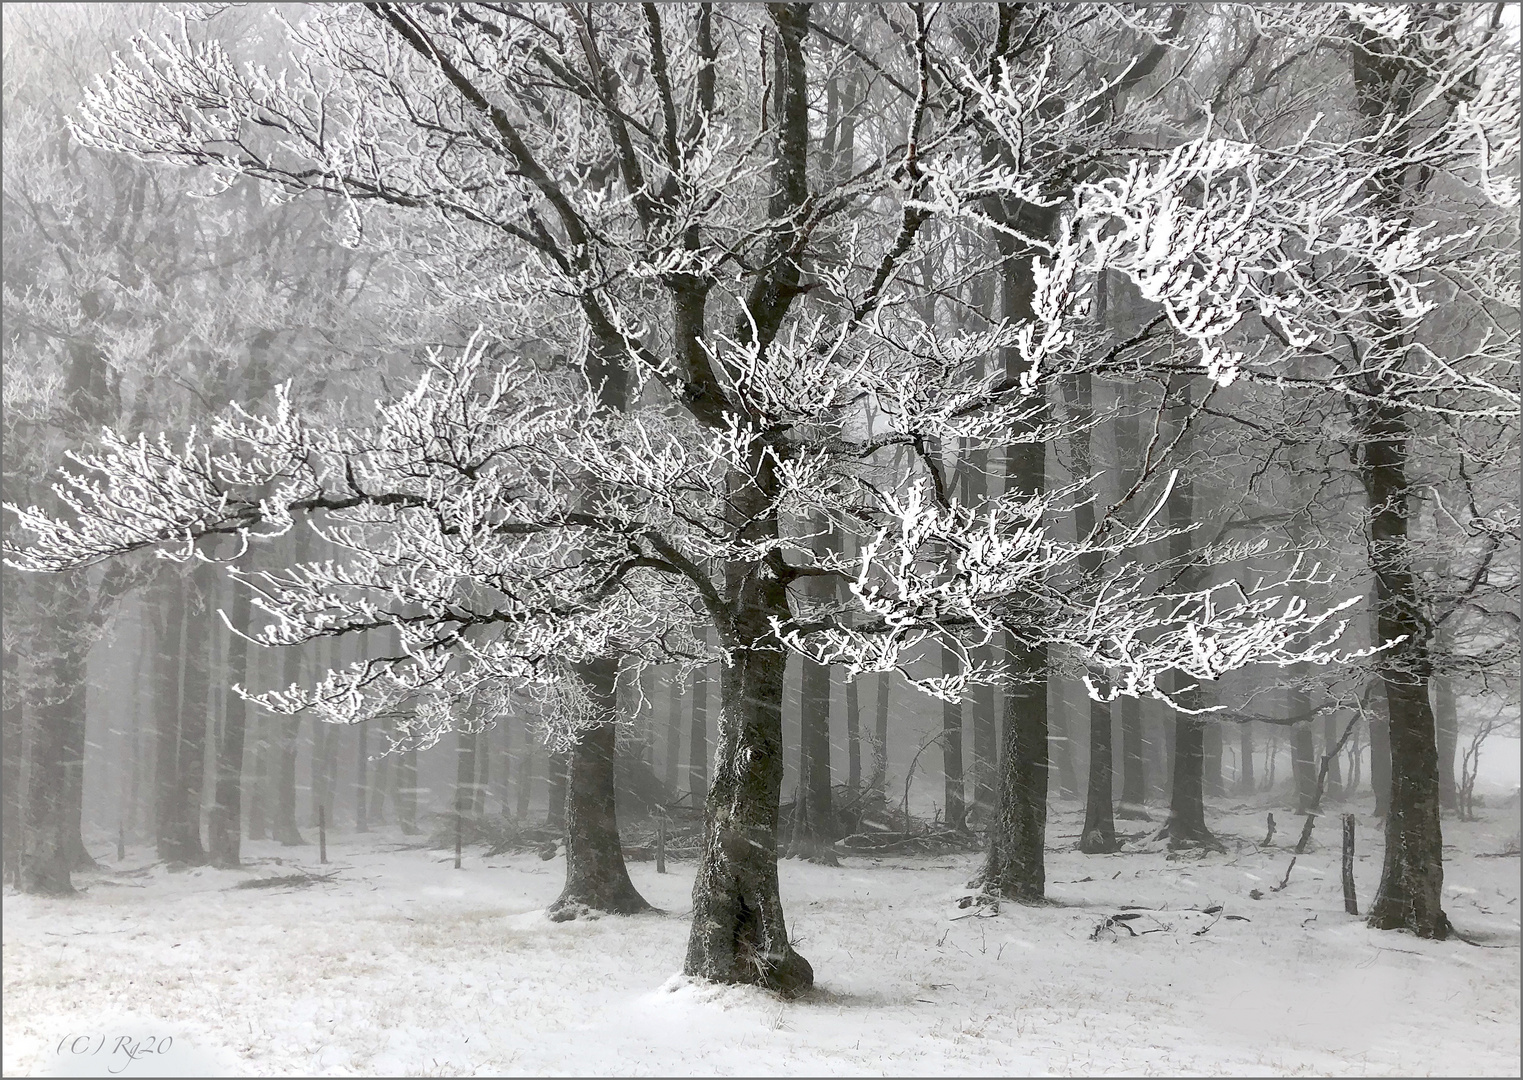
738,932
596,877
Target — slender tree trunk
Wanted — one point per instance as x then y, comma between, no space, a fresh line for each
951,751
168,803
1303,754
1330,735
223,830
1134,780
853,736
406,773
525,776
1245,784
673,759
880,735
465,772
195,693
1186,824
596,877
1212,777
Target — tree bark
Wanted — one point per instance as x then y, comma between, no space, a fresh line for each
1303,754
880,735
738,931
596,877
1186,823
168,802
1245,783
555,785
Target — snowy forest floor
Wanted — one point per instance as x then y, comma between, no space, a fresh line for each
401,965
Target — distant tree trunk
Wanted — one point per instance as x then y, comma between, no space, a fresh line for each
12,709
169,802
318,790
853,736
259,775
1099,833
405,773
951,750
1214,787
880,735
194,712
525,776
1134,780
673,759
1330,734
596,877
288,732
361,780
465,772
1303,757
58,688
698,741
223,830
380,779
1245,784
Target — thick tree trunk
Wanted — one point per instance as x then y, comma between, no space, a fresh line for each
738,932
1016,865
1410,895
1186,824
596,877
224,829
814,814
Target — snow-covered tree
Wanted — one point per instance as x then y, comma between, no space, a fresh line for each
695,347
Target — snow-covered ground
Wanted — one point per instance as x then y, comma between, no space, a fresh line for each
402,965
